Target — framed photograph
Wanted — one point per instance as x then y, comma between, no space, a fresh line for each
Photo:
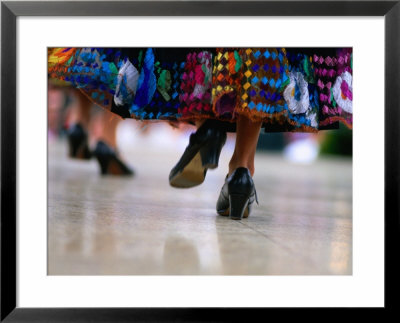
81,244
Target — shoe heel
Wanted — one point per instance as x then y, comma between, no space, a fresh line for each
73,146
103,162
79,150
210,153
109,163
77,141
237,205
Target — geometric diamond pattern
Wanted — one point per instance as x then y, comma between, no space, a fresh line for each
254,79
247,74
264,69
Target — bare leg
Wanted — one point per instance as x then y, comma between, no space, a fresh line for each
247,133
104,136
110,131
80,112
105,128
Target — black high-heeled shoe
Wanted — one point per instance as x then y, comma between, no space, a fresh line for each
237,195
201,154
109,162
78,142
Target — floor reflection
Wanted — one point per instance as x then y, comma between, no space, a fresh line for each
141,226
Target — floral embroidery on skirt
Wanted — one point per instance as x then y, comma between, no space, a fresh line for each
287,89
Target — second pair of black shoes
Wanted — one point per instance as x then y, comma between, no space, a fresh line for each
110,163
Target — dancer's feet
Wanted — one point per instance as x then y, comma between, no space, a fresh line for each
78,142
110,163
202,153
237,195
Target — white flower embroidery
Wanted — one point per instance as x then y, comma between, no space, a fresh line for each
296,94
312,117
128,77
343,91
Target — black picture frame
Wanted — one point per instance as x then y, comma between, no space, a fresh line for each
10,10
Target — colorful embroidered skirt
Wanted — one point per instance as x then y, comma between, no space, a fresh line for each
288,89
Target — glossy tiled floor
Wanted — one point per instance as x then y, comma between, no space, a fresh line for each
142,226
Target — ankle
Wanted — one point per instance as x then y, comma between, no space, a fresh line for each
111,144
235,165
